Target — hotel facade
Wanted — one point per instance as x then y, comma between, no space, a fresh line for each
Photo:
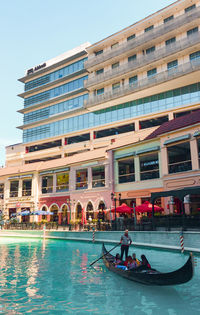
88,114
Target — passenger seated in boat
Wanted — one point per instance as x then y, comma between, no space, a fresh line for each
144,261
128,261
117,259
133,264
137,260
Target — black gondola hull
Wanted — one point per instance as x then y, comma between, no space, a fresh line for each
151,276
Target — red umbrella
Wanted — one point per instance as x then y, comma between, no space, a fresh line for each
147,207
83,217
123,209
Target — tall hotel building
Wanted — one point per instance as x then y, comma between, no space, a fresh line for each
81,106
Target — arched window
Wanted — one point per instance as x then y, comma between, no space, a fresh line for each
89,211
78,211
54,209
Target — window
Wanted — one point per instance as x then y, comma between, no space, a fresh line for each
149,123
100,91
179,157
62,182
115,65
81,179
172,64
26,187
132,58
1,191
14,186
133,80
149,28
99,52
195,55
149,166
150,50
98,176
192,31
169,18
99,71
116,86
126,170
198,145
170,41
114,45
47,184
130,37
151,72
191,7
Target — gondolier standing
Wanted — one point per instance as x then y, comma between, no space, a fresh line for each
125,243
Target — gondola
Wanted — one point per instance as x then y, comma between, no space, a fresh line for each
151,276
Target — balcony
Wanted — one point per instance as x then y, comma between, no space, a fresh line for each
144,60
148,82
157,32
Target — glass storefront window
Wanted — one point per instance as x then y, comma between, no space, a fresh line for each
82,179
98,176
62,182
14,186
26,187
179,158
1,191
126,170
47,184
149,166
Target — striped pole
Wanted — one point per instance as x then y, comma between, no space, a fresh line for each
93,235
182,242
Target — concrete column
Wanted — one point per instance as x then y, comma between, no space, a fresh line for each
20,188
194,154
72,179
137,128
137,168
54,183
160,164
107,177
164,159
89,178
170,116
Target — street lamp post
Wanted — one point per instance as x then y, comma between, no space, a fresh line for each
115,199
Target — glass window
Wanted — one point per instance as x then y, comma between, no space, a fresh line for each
150,50
98,176
100,91
133,80
151,72
115,65
116,86
14,186
81,179
62,182
147,29
47,184
132,58
169,18
126,170
172,64
130,37
115,45
179,157
192,31
191,7
170,41
149,166
1,191
99,71
99,52
198,144
195,55
26,187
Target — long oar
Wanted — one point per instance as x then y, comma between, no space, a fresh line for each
104,254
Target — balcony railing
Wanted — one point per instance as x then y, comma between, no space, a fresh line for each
180,167
13,193
98,183
26,192
158,78
163,29
62,188
144,60
81,185
47,189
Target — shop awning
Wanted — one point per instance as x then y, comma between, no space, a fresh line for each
179,193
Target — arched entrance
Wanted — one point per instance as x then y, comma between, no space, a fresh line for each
78,211
54,217
65,214
102,205
89,211
44,208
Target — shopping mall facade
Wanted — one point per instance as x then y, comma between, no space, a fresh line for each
117,116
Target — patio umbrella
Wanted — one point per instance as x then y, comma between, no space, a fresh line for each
41,212
147,207
26,212
122,209
83,217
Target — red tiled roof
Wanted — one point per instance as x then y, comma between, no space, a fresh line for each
177,123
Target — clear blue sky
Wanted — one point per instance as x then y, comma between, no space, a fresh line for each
33,31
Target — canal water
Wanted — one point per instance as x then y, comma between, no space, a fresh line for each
54,277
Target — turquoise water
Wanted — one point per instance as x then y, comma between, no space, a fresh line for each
53,277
